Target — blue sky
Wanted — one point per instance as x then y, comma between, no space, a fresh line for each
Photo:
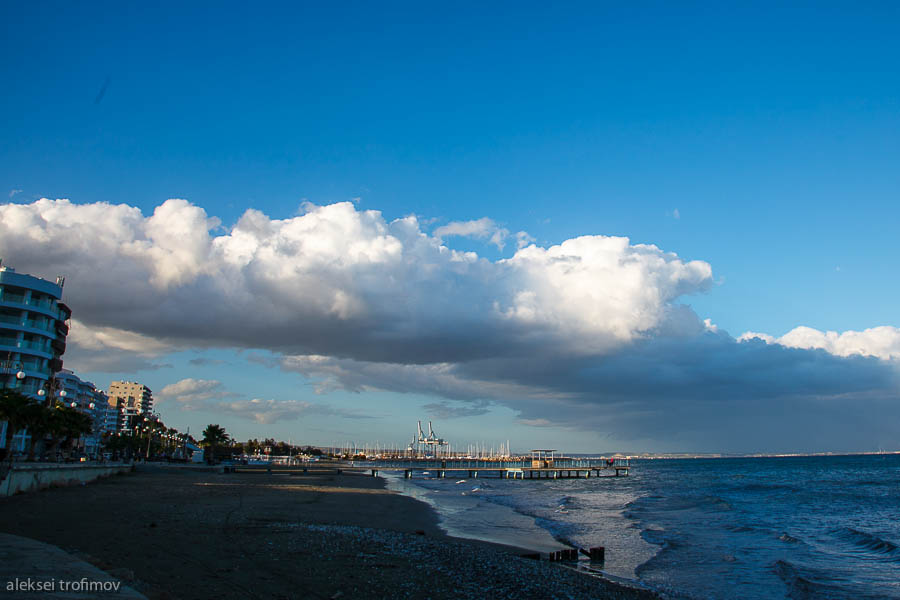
761,139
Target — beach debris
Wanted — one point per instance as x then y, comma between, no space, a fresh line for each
596,553
565,555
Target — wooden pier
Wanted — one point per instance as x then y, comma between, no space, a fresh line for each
522,473
543,465
514,472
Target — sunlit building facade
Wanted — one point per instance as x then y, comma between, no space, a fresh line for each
130,400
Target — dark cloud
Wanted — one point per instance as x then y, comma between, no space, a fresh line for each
110,361
276,411
212,395
703,393
445,410
206,362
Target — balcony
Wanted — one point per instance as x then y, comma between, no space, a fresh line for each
39,346
41,304
11,319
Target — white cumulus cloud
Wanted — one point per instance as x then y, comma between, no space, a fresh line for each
882,342
338,281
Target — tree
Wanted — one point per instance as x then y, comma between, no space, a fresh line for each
214,436
62,424
37,418
13,409
69,424
122,445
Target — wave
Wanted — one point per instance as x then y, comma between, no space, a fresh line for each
869,542
660,537
765,487
677,503
561,531
567,501
637,501
800,587
668,545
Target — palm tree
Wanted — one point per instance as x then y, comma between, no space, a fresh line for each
214,436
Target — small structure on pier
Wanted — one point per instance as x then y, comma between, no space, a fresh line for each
542,459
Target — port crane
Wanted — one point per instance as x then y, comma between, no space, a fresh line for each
430,441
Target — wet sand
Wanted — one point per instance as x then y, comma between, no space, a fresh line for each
183,533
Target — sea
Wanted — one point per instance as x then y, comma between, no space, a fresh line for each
703,528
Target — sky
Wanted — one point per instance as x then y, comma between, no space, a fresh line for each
591,227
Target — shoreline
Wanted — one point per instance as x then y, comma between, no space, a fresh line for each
532,538
517,529
187,534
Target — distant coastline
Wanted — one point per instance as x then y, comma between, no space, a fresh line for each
675,455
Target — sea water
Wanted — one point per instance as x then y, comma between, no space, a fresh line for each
779,527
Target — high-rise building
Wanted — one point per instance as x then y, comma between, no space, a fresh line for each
85,397
33,333
129,399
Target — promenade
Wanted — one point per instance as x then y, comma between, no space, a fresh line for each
30,569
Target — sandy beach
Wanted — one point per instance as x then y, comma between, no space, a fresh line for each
183,533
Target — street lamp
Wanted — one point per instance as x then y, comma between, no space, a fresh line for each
52,388
149,429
